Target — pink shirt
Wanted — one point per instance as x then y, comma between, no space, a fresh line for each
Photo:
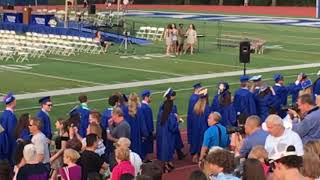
124,167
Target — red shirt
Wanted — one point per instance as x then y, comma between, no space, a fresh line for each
124,167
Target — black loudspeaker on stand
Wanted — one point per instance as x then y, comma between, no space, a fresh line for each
92,9
244,54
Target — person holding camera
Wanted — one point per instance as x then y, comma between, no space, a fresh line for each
309,126
255,135
278,134
215,135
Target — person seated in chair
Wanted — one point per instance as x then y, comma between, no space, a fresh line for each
99,39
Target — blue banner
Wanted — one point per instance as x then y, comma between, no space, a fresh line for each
41,19
10,17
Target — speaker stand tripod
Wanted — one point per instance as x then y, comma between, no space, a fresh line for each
244,68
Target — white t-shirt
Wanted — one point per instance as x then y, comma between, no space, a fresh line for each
101,148
136,162
289,137
41,143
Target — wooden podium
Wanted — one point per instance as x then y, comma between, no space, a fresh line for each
26,15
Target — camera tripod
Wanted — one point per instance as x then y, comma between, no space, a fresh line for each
126,46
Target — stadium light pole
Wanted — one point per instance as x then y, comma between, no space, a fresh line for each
66,14
318,9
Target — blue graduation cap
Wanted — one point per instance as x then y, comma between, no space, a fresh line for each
256,78
8,98
244,78
44,100
305,84
197,85
169,93
145,93
277,77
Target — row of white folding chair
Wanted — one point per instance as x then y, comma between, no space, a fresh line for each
152,33
7,32
11,52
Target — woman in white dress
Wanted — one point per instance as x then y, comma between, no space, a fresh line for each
174,39
191,38
168,39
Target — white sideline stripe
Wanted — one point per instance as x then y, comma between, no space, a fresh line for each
162,81
117,67
54,77
207,63
153,93
305,52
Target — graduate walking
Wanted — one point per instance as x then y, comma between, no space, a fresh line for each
167,127
8,122
198,124
192,101
84,111
43,115
147,143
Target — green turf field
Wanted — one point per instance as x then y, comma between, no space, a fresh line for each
288,46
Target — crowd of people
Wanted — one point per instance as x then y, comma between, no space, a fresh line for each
176,38
252,134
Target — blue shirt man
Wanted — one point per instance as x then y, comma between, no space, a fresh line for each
215,135
309,127
255,135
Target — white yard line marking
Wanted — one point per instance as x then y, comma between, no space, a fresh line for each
163,81
55,77
117,67
153,93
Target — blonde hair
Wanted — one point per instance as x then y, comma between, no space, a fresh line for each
200,106
311,164
95,129
123,154
258,152
35,122
312,147
133,104
305,91
72,154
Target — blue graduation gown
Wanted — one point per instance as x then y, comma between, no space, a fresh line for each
282,93
228,113
138,131
45,123
316,87
192,101
294,92
4,146
84,120
178,140
147,144
25,135
199,124
165,136
264,103
106,115
244,102
8,121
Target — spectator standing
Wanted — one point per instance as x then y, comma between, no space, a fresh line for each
33,169
168,39
8,121
215,135
91,163
181,39
253,170
72,171
309,126
43,116
124,165
192,38
174,39
40,142
279,135
134,157
93,128
259,153
255,135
